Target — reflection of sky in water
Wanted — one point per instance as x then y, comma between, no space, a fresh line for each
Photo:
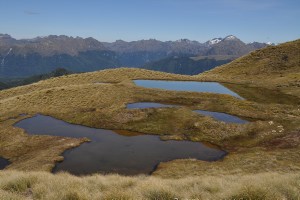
110,152
142,105
222,117
193,86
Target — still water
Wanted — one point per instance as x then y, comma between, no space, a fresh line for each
113,152
222,117
3,163
141,105
192,86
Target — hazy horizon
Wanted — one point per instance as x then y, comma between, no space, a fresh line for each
84,37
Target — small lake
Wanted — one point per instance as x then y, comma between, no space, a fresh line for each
141,105
222,117
3,163
192,86
110,152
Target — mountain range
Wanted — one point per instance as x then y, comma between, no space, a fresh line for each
27,57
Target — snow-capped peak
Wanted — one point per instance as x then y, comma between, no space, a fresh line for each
230,37
214,41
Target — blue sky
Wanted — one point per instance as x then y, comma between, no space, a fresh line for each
109,20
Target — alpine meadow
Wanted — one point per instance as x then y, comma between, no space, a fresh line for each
85,115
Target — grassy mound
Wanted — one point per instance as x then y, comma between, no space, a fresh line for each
273,67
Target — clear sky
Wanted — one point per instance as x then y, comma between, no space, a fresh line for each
109,20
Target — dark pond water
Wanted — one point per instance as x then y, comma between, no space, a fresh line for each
263,95
3,163
193,86
222,117
110,152
141,105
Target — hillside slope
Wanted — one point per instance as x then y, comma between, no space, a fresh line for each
185,65
259,151
10,83
23,58
231,45
272,67
2,86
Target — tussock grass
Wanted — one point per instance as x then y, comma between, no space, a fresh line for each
275,67
103,106
64,186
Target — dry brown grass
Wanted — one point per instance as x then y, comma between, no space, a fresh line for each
41,185
103,106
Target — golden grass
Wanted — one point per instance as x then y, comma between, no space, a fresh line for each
41,185
103,106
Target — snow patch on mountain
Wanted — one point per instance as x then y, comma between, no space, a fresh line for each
3,60
271,43
214,41
230,37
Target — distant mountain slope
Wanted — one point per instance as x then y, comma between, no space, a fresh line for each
9,83
231,45
185,65
50,45
2,86
273,66
33,64
27,57
138,53
20,58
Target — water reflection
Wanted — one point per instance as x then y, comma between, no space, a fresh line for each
192,86
222,117
141,105
3,163
110,152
